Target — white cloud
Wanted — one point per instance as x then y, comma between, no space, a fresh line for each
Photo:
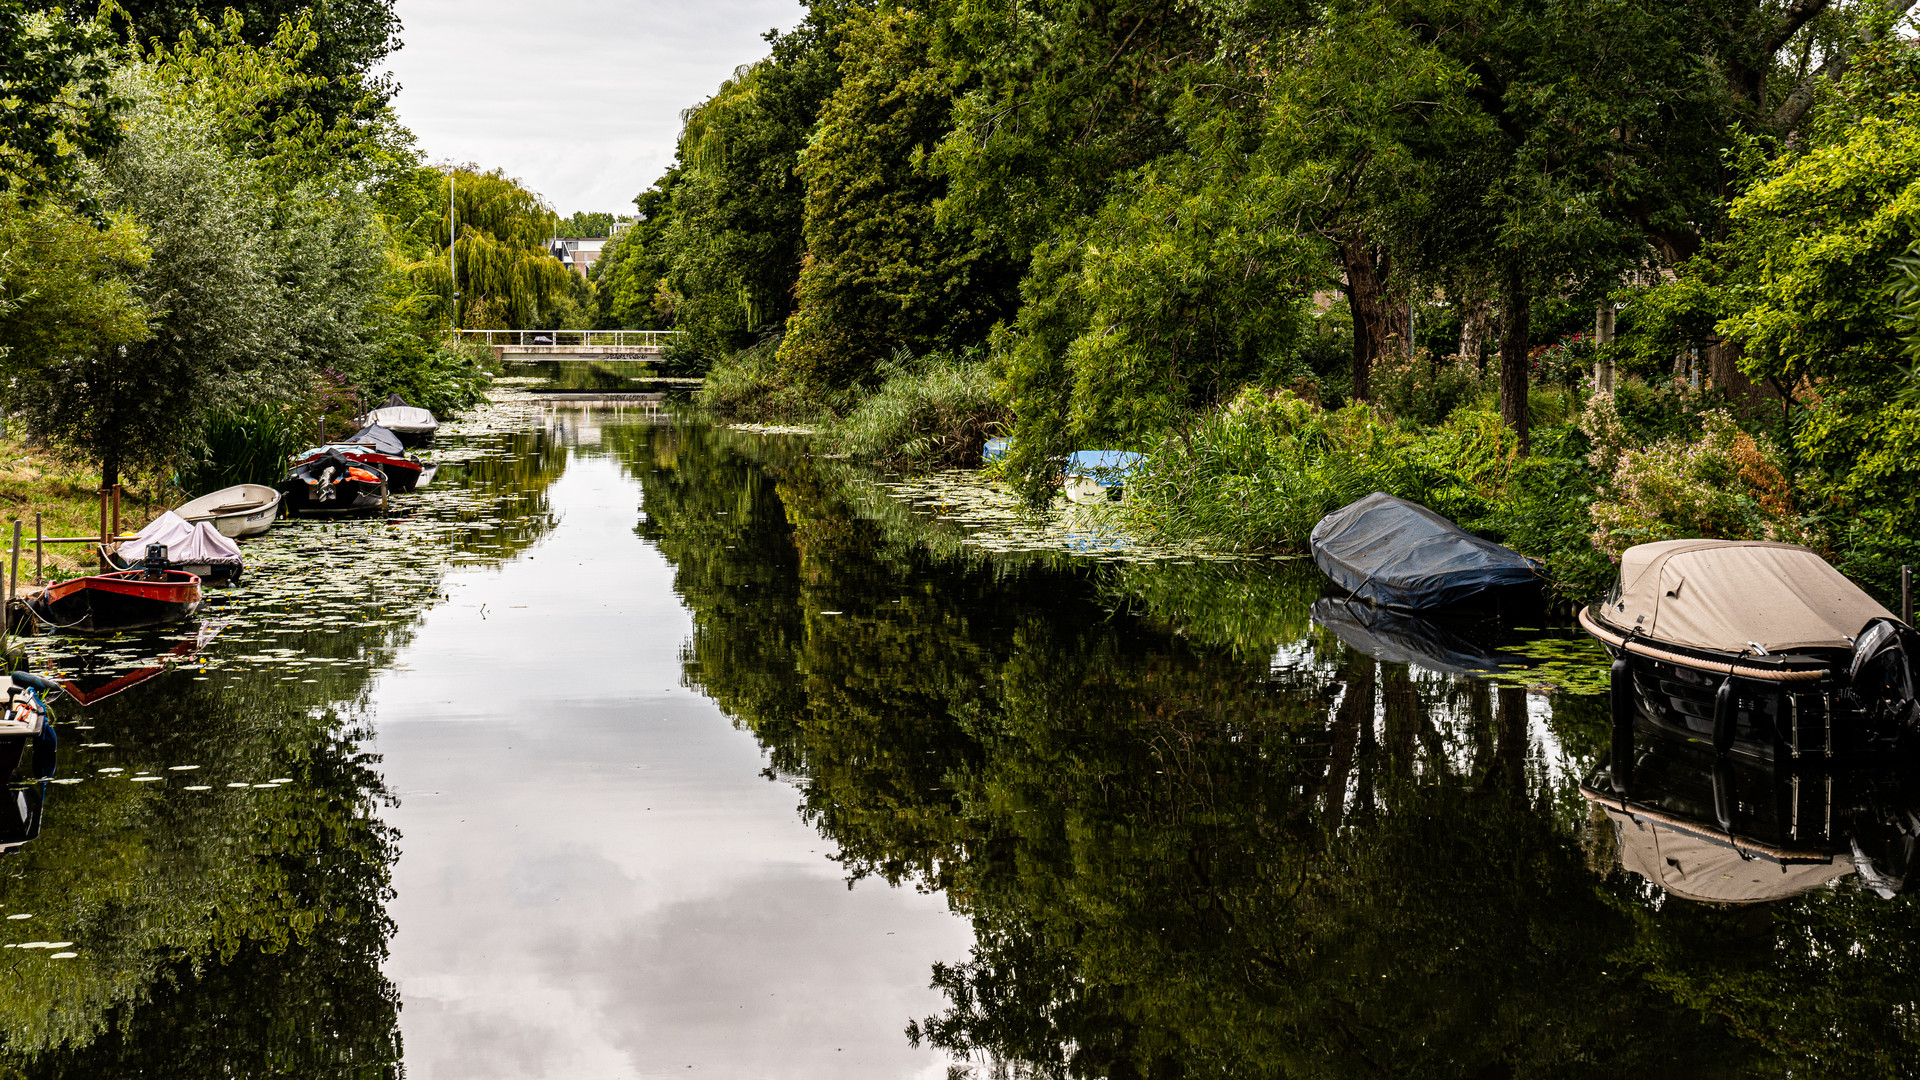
581,99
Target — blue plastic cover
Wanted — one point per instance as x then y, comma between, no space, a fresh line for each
1103,466
1402,555
995,449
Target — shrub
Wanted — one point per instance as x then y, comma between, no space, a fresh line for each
1722,483
1420,391
750,385
247,444
925,414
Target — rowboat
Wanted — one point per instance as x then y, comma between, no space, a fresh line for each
123,600
1761,649
331,483
237,511
375,445
415,426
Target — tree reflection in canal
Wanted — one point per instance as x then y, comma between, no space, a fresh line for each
1197,835
209,921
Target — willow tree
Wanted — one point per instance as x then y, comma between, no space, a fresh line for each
505,277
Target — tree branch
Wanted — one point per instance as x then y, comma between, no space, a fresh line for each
1794,109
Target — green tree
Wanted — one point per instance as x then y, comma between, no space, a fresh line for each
55,96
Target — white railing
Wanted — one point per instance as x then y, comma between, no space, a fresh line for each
595,339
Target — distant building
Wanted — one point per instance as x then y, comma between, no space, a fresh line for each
579,254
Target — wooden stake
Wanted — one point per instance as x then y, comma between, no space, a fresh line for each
13,587
1906,594
103,514
116,509
39,553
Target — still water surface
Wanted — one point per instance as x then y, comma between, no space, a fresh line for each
643,749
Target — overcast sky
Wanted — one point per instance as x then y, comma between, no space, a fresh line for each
580,99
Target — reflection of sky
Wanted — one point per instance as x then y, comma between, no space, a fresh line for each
595,881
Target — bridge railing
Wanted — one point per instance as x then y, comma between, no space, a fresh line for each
608,339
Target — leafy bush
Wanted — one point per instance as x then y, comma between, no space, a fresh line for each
932,413
443,379
1421,391
1722,482
1262,471
750,385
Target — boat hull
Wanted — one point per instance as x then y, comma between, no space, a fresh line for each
326,484
111,603
241,510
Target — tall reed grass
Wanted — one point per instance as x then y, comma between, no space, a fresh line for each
248,444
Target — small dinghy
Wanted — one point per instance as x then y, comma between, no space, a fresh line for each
123,600
27,739
331,483
1757,647
237,511
1099,474
199,549
1400,554
377,446
414,426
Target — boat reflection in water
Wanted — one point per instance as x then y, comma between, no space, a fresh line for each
1732,830
19,817
1450,646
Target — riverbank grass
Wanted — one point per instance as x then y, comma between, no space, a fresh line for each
67,500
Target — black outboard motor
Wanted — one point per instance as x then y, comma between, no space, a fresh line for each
1881,680
155,563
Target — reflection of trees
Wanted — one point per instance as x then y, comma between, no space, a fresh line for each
241,932
1182,857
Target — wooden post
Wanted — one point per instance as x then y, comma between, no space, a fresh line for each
39,553
13,587
116,510
322,423
103,514
1906,594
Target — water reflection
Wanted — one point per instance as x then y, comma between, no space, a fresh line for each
1198,831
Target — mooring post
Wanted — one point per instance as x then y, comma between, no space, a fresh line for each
13,588
39,554
116,510
103,513
1906,594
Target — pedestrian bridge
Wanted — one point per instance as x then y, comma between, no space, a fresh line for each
635,345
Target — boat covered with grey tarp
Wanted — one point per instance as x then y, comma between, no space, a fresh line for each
1400,554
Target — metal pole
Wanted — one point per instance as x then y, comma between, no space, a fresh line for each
453,276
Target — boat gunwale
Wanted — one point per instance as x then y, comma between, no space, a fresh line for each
1718,661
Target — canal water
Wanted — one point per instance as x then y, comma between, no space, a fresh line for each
644,748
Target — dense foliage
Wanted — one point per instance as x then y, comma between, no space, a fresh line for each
1125,217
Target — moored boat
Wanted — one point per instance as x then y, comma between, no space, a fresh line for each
414,426
237,511
1756,648
27,739
1099,474
122,600
375,445
330,483
1400,554
198,548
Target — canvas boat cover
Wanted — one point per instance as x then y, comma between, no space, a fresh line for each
398,417
187,542
1734,595
1695,866
1400,554
1398,637
379,438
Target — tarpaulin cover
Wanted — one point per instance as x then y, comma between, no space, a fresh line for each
187,543
399,417
395,400
378,438
1398,637
1735,594
1106,466
1694,866
1403,555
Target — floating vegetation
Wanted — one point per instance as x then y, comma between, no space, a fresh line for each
774,429
1568,665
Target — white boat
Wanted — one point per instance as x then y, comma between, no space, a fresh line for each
1093,475
415,426
241,510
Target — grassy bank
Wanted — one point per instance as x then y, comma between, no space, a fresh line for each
33,481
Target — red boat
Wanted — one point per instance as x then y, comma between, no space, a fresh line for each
110,603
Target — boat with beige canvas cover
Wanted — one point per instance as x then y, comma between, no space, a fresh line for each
1760,648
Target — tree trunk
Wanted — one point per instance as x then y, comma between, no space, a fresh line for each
1367,273
1514,345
